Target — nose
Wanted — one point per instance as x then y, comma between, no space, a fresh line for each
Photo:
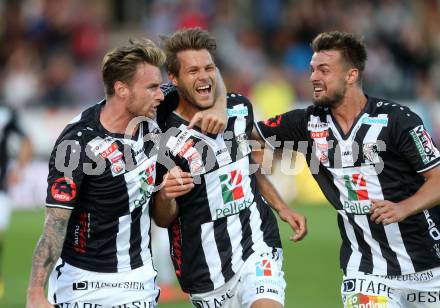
159,95
313,76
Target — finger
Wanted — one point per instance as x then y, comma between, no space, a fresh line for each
218,128
211,126
195,120
302,229
179,188
204,124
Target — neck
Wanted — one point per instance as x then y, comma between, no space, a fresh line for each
185,109
351,106
114,117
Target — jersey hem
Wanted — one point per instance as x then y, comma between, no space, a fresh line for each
429,168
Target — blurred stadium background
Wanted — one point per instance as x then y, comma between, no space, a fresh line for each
50,53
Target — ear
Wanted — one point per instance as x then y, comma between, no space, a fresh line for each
121,89
352,76
173,79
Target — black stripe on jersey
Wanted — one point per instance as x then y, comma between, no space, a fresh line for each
366,265
246,240
135,239
224,247
345,251
358,158
378,233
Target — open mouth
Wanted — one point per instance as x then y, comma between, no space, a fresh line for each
204,90
318,89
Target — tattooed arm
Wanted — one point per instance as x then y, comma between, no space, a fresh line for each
46,254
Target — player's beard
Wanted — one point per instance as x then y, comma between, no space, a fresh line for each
186,95
333,99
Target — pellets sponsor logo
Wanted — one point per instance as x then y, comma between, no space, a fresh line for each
426,148
63,190
263,268
357,194
231,185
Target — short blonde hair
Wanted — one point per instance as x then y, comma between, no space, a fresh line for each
121,63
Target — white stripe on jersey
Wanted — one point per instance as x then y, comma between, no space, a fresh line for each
211,254
379,262
235,235
257,235
145,224
123,243
395,242
355,257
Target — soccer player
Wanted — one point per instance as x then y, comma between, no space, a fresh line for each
379,168
224,238
8,127
96,238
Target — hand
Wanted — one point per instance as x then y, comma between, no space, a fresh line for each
387,212
297,221
176,183
37,299
209,122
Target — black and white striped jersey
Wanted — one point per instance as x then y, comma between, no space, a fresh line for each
382,157
224,219
106,180
8,126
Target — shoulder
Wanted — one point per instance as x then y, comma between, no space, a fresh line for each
238,105
82,127
395,113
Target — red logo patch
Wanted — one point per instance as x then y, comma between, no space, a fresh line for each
273,122
109,150
63,190
186,147
322,134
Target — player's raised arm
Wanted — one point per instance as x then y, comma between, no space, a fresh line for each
46,254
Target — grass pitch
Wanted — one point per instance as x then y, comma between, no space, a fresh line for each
311,267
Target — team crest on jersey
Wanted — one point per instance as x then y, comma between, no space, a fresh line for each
63,190
243,144
426,148
273,122
371,153
263,268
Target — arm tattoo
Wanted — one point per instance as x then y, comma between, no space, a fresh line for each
49,246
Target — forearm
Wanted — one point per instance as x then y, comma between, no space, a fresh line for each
269,192
426,197
165,210
48,250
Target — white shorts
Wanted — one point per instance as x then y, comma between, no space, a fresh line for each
71,287
5,210
418,290
261,277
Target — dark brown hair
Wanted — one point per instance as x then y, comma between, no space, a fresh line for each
352,48
121,63
185,39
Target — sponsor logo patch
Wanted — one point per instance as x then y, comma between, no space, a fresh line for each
63,190
263,268
426,148
319,134
375,121
238,111
361,300
231,186
273,122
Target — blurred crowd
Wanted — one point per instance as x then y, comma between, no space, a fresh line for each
50,50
